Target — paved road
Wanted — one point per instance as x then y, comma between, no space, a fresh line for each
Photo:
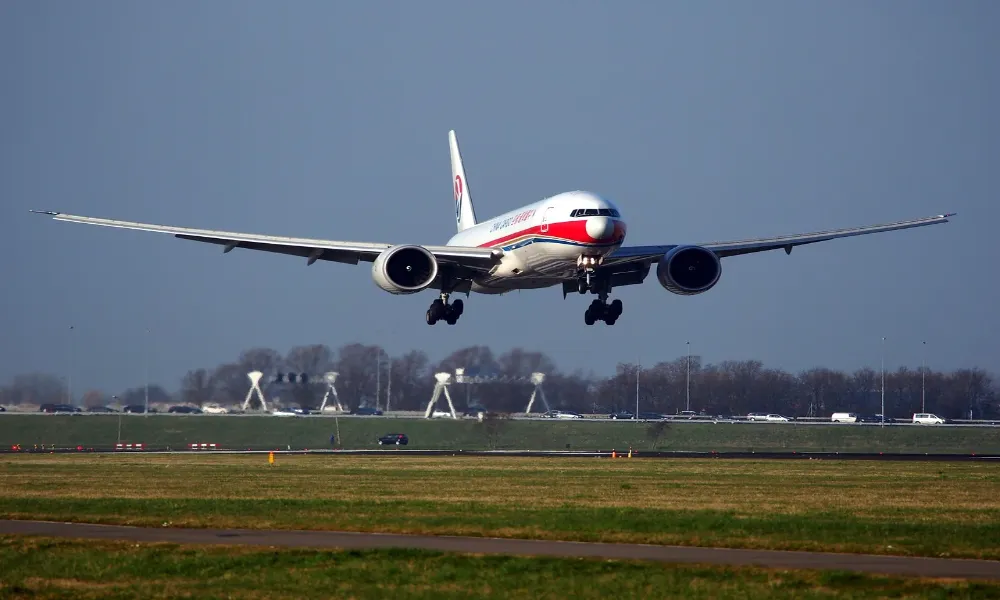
926,567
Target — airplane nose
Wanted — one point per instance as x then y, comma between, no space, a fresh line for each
600,228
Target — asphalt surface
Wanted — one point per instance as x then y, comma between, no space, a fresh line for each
892,565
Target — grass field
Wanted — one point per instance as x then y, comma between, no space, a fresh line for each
928,509
42,568
299,433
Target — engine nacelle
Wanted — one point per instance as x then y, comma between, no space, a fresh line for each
689,270
404,269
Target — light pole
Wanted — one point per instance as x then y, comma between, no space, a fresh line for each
923,378
378,376
882,420
119,404
145,360
69,370
638,367
388,387
687,381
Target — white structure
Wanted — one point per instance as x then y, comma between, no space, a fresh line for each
537,379
443,379
331,379
255,387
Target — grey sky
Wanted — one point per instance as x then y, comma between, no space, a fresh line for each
704,120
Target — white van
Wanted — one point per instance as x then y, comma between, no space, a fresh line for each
844,418
927,419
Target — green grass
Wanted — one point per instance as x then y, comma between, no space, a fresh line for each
45,568
900,508
300,433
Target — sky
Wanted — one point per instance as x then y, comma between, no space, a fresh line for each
703,121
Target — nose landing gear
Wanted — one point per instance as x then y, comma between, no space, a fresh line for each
586,269
440,310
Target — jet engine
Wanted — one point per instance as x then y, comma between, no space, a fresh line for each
689,270
404,269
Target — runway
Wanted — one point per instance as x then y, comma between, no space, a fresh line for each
890,565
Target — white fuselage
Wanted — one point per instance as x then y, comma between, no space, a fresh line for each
543,241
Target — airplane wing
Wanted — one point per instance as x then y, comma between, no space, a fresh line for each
476,259
639,254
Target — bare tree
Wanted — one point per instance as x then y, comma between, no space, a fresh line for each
137,395
36,389
265,360
412,382
229,384
94,398
198,387
357,364
313,360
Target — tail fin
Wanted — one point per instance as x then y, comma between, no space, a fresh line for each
465,213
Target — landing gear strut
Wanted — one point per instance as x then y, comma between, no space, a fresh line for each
585,273
440,310
600,310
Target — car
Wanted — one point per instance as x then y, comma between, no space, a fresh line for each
844,417
59,408
366,410
187,410
101,409
568,414
137,408
927,419
284,412
393,438
773,418
875,419
651,416
441,414
214,409
622,414
756,417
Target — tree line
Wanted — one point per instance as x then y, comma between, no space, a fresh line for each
368,376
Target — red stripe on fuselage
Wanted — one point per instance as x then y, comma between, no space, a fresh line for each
574,231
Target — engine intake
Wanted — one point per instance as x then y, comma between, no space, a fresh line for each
404,269
689,270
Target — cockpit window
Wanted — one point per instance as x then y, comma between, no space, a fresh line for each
595,212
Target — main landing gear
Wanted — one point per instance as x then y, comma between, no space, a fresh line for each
588,281
600,310
440,310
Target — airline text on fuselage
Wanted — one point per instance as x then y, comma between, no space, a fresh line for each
514,220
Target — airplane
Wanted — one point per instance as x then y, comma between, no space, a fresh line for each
573,239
